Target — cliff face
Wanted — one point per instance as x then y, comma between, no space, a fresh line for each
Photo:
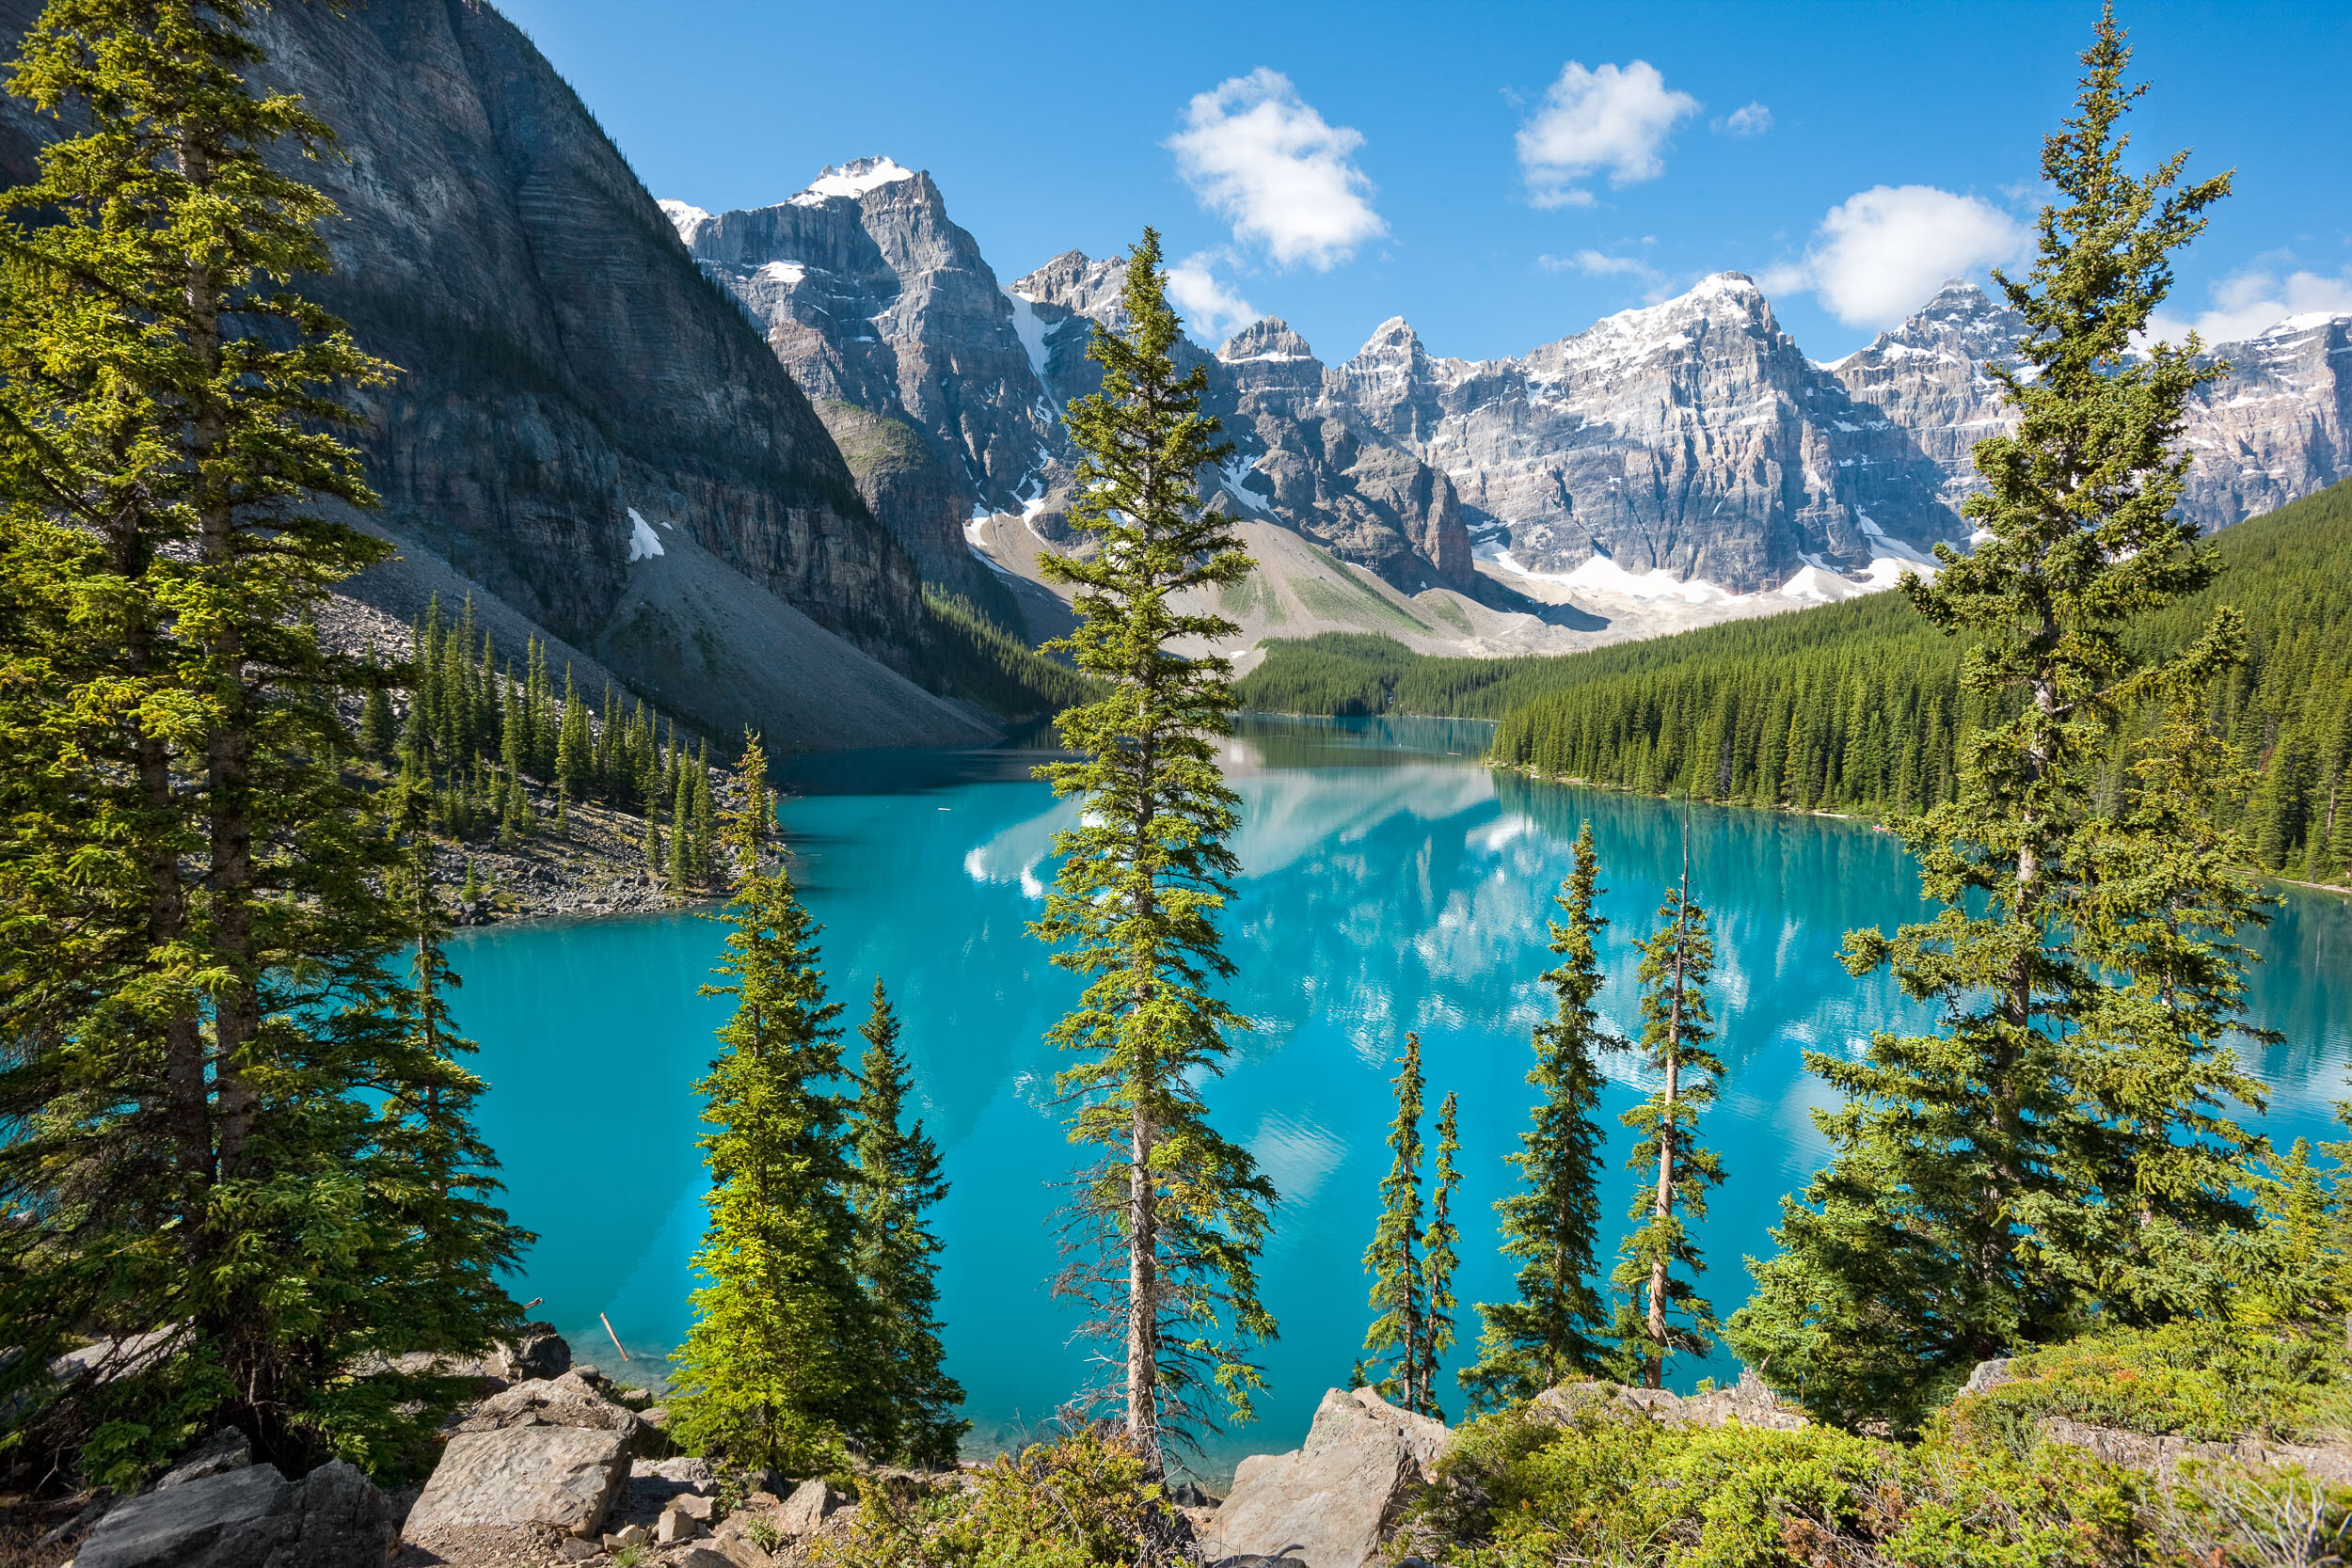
876,302
562,360
2276,428
1303,458
1690,436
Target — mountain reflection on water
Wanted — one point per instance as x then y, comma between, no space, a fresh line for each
1390,882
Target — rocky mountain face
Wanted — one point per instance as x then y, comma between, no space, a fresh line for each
945,390
1365,497
1301,458
1690,437
564,366
2279,427
886,313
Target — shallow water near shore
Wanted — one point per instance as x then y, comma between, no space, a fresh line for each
1390,882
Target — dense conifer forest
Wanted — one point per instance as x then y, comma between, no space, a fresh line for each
1857,706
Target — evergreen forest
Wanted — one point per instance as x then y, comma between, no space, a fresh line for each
1859,706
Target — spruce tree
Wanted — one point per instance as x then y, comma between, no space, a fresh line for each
746,827
772,1370
1552,1331
897,1183
193,945
1441,1251
683,874
1396,1267
1658,1263
1169,1224
1977,1172
375,715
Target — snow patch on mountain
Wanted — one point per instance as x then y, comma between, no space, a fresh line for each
685,217
1030,330
644,543
853,179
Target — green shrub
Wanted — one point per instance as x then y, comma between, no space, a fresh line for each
1612,1486
2198,1379
1082,1502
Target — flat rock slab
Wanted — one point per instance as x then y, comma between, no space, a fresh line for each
1333,1502
251,1517
558,1476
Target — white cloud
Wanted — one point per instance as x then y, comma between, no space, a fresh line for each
1880,254
2245,303
1595,263
1261,157
1610,120
1751,120
1212,310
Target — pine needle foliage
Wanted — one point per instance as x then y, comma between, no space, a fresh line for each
1397,1269
2036,1157
1441,1253
1671,1318
774,1372
1552,1331
1167,1227
194,940
897,1184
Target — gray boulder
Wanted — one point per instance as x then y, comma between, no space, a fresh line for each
1333,1502
1748,1401
576,1399
562,1477
249,1517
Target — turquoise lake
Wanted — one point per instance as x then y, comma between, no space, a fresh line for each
1390,883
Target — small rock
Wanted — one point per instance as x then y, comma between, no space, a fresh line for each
695,1506
676,1525
537,1352
630,1535
703,1557
573,1549
811,1504
1987,1376
216,1455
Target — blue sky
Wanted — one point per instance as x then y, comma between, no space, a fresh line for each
1500,175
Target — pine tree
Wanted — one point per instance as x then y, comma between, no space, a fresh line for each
705,838
1441,1251
1677,961
1977,1171
1552,1224
772,1367
683,874
746,828
897,1183
654,860
194,951
375,715
1169,1223
1398,1272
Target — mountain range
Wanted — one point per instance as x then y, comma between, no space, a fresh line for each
1687,452
716,455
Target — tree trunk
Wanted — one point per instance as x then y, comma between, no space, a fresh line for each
229,749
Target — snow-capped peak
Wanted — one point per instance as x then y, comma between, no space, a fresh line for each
853,179
685,217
